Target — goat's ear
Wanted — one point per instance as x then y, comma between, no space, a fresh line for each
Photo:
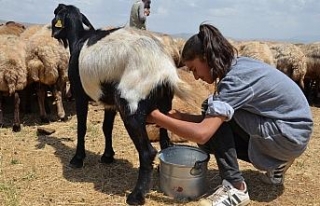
86,22
65,43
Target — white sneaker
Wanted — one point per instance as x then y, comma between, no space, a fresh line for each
276,176
227,195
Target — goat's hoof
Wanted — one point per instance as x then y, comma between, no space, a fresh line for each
44,120
64,119
135,198
106,159
76,162
16,128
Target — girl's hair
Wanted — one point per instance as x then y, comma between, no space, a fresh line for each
209,44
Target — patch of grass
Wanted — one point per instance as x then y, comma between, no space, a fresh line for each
8,194
14,161
30,176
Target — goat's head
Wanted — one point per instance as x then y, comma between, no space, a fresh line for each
58,25
67,19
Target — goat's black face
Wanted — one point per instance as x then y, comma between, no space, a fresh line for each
58,28
59,25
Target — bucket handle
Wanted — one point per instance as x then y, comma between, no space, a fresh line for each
196,169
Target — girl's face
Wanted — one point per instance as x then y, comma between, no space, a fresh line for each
200,69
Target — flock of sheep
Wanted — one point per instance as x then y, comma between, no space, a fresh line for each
301,62
31,61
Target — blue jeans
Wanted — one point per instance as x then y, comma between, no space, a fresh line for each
229,144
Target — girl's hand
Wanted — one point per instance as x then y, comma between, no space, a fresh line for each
151,117
174,114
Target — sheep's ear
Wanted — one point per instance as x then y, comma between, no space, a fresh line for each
58,24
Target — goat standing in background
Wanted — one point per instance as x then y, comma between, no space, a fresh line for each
125,71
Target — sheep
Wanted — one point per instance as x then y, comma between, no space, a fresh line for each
290,60
30,31
123,69
13,73
47,64
312,77
12,27
179,43
257,50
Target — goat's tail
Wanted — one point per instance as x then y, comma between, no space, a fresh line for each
183,90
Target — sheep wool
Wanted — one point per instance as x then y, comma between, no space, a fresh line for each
13,72
46,59
312,53
257,50
12,28
290,59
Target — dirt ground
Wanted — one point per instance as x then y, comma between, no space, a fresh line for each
34,168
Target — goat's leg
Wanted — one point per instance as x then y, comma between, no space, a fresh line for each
135,125
138,134
165,106
16,123
41,95
1,110
108,155
82,102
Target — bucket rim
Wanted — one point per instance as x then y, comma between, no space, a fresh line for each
183,146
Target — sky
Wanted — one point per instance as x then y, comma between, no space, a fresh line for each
240,19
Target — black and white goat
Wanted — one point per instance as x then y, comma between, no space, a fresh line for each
126,71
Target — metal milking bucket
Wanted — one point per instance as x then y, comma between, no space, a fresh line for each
182,171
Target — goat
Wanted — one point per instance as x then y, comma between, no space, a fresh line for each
126,71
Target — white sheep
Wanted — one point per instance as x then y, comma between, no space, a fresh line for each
13,73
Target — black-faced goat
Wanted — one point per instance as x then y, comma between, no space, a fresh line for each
126,71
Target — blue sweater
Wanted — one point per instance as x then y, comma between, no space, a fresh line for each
269,106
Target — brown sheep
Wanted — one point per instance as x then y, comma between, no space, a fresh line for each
13,73
29,31
47,64
257,50
312,78
12,27
290,59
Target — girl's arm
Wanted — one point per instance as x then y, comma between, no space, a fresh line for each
199,132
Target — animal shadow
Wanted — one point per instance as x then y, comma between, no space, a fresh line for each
109,179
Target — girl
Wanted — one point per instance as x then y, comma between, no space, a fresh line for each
257,114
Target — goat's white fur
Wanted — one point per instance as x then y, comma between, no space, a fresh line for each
136,61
